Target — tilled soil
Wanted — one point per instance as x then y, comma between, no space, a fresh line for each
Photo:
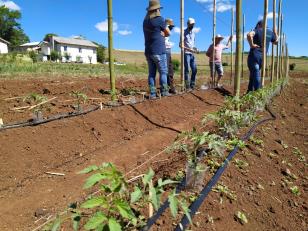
123,136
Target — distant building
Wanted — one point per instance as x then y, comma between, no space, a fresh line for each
71,49
33,46
4,46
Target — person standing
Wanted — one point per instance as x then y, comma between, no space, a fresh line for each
155,31
169,45
255,57
189,57
217,66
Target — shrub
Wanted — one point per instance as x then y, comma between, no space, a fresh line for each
225,64
292,66
54,55
176,64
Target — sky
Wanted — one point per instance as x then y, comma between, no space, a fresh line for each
69,18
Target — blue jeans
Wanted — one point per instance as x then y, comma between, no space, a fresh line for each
190,61
254,65
157,62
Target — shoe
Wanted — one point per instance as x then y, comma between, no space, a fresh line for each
152,97
172,91
189,89
165,94
204,87
219,85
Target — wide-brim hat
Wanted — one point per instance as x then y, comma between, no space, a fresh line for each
191,21
154,5
219,37
169,22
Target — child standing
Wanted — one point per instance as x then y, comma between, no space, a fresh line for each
219,47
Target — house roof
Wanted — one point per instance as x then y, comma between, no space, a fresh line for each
32,44
4,41
72,41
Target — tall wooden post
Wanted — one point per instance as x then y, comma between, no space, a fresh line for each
232,34
264,43
238,60
283,56
214,34
281,41
182,45
273,46
288,61
110,51
277,48
243,46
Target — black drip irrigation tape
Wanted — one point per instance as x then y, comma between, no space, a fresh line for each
49,119
204,101
152,122
207,189
203,194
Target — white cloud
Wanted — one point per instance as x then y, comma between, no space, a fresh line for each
10,5
103,26
270,16
221,5
125,32
177,30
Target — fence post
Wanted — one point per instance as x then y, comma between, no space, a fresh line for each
213,74
273,46
238,60
232,34
110,51
182,45
264,63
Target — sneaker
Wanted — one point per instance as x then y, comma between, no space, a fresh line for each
189,89
204,87
152,97
165,94
172,91
219,85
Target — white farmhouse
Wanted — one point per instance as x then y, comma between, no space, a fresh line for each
4,46
32,46
71,49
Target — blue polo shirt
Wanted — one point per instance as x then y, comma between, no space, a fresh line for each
154,41
258,40
189,39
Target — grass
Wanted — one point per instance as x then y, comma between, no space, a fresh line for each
135,66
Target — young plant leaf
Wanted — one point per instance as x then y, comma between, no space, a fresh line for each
173,204
56,225
136,195
148,177
93,202
88,169
153,197
125,210
114,225
92,180
186,210
95,221
162,183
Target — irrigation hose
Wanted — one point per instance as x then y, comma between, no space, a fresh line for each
207,189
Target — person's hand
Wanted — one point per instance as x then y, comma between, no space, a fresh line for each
162,33
253,46
230,38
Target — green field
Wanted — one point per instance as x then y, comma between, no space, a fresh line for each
22,67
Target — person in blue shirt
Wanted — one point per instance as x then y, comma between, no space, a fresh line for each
155,30
189,57
255,57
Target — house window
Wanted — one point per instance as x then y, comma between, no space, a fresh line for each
65,48
80,50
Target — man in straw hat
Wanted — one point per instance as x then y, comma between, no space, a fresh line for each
155,31
189,57
169,45
255,57
216,66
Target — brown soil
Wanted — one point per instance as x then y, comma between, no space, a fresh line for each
122,136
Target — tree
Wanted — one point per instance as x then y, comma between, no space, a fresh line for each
48,36
100,52
10,28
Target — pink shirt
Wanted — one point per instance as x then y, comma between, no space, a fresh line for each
218,52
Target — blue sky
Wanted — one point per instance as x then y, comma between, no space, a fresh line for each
88,18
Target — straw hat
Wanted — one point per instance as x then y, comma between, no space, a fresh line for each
154,5
169,22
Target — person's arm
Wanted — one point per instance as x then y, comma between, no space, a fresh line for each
275,38
250,40
209,51
229,42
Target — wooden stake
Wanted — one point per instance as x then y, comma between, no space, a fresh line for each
273,46
232,34
110,51
214,34
243,48
281,43
277,48
182,45
264,43
238,60
34,106
151,210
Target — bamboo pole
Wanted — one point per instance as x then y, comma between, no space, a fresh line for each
110,51
277,48
264,61
213,74
232,34
182,45
243,46
237,80
273,46
288,61
283,56
280,49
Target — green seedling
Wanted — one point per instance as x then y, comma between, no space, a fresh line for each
39,105
299,154
295,190
241,217
80,97
241,164
224,191
256,141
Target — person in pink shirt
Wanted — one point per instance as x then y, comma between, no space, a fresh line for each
219,47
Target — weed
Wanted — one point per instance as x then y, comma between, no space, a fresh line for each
256,141
295,190
224,191
241,217
241,164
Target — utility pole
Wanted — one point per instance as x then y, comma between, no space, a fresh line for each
110,51
232,34
243,48
273,46
264,43
214,34
278,34
182,45
238,60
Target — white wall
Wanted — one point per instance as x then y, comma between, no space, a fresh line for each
3,48
73,51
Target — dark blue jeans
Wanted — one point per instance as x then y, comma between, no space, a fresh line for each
190,61
254,65
157,62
